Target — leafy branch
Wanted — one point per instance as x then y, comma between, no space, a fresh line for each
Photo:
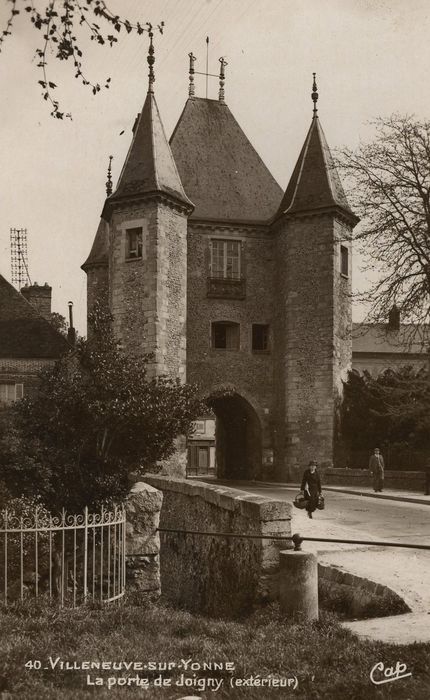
59,23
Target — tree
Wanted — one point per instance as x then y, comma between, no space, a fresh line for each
390,190
95,418
393,408
61,24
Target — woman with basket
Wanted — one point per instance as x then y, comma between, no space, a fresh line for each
311,488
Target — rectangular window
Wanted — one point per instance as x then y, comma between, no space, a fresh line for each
11,392
199,427
344,260
134,243
225,335
225,259
260,337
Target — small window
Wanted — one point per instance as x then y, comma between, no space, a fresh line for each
225,259
199,427
11,392
344,260
225,335
134,243
260,337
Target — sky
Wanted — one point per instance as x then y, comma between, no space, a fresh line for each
371,58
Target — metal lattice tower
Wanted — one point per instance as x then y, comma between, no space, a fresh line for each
19,257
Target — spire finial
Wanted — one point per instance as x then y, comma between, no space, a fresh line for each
109,177
191,72
314,95
151,60
224,63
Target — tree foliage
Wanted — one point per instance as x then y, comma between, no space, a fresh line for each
390,190
95,417
393,408
61,24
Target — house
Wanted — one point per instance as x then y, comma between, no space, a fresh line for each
28,342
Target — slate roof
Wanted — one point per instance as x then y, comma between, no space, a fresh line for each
23,332
378,338
315,183
220,170
100,249
149,165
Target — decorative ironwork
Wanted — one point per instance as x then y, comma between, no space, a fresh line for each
225,288
151,60
314,95
191,88
67,557
109,177
221,94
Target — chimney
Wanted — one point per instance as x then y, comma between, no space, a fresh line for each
71,332
394,319
39,297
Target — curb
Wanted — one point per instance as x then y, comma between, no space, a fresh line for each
383,496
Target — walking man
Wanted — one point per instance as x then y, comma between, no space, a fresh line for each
376,466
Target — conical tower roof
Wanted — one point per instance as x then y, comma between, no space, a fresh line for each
149,166
100,249
315,182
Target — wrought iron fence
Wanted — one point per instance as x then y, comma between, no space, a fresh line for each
72,558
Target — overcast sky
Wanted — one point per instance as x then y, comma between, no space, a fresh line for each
371,58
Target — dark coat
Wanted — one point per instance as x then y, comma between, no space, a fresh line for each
376,464
311,482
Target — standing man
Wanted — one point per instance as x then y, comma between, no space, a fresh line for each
376,466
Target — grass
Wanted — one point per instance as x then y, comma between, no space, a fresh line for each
328,661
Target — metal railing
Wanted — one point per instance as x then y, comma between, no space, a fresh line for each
72,558
296,538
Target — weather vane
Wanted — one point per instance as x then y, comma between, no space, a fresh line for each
220,76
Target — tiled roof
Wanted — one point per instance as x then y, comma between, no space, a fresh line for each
315,183
220,170
23,333
149,166
100,248
378,338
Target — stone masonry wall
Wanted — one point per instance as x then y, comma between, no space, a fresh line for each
143,506
216,575
248,373
97,284
148,295
312,344
402,480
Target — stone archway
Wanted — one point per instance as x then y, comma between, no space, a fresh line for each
238,437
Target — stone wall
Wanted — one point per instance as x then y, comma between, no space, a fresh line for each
216,575
402,480
313,317
148,294
143,506
249,374
356,597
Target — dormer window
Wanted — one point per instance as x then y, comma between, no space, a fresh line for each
134,243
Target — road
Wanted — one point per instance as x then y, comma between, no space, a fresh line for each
391,520
407,571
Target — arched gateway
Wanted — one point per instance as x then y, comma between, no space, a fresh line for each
238,438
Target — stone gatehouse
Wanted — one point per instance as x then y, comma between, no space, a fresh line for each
232,283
